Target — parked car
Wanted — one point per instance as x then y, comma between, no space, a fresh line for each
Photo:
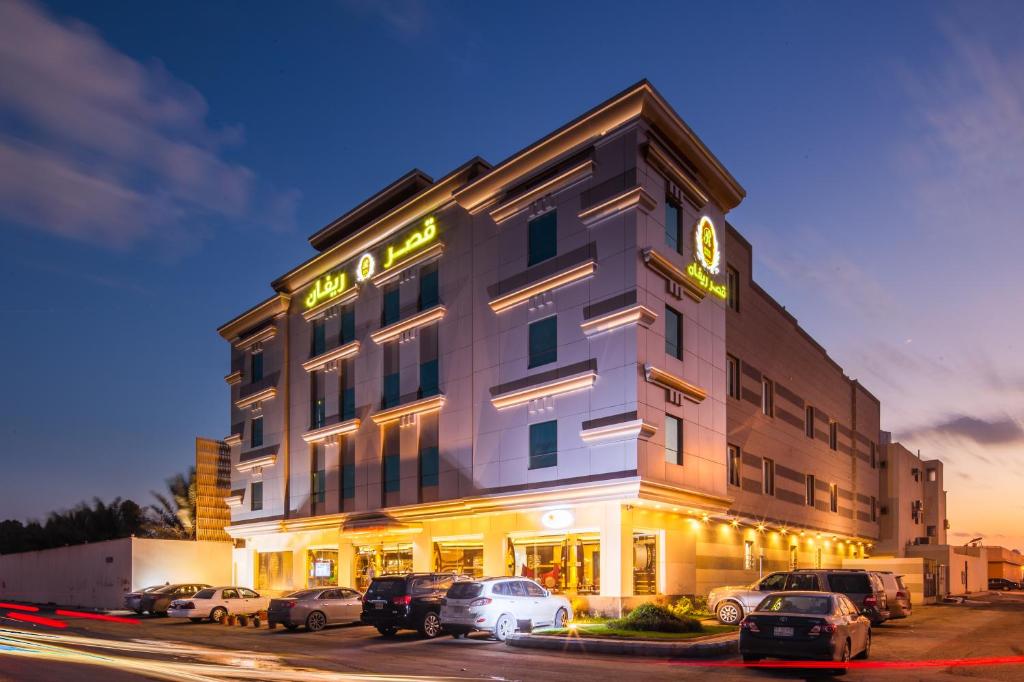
410,602
1003,584
157,601
316,608
897,595
805,626
863,588
500,606
133,600
217,602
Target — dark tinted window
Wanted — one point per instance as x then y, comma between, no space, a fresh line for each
391,306
248,594
791,604
774,583
428,287
802,581
533,589
229,594
423,585
673,333
543,445
502,589
204,594
543,341
850,583
329,594
518,588
387,587
465,590
543,238
302,594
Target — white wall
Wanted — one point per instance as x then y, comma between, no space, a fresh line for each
180,561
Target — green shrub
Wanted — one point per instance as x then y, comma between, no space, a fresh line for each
691,607
655,618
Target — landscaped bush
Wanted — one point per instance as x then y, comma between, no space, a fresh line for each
655,618
691,607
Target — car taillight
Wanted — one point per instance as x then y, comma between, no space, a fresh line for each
870,601
819,628
482,601
404,600
748,624
290,604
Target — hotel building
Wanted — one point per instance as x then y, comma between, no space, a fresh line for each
557,366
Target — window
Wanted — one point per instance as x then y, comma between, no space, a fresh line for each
543,341
319,342
833,435
429,461
346,390
768,476
874,457
392,310
732,283
833,498
809,495
323,570
732,376
734,465
274,571
543,445
776,582
392,461
809,422
673,440
256,496
348,469
429,379
645,564
932,475
768,397
348,325
318,413
748,555
318,487
542,238
256,432
874,509
673,225
673,333
803,582
429,296
256,367
392,384
793,557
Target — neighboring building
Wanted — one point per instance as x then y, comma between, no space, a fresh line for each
913,500
523,369
1005,563
213,485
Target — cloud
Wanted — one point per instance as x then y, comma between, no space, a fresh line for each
999,431
108,150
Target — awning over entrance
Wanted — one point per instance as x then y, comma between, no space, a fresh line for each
376,524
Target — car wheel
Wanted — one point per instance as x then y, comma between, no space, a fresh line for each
195,620
430,626
218,614
316,621
843,658
504,628
729,613
387,630
561,619
867,647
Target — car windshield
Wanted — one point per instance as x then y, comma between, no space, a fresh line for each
203,594
465,590
818,606
387,587
166,589
850,583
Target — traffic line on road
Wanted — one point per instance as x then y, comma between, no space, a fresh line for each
38,620
860,665
18,607
97,616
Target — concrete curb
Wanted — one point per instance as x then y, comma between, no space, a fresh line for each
720,645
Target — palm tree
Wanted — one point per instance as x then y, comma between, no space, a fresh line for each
175,513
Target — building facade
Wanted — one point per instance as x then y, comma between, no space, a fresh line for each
527,368
913,501
213,485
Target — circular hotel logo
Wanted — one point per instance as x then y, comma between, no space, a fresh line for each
365,267
708,252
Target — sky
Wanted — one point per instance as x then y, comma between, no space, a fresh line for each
162,162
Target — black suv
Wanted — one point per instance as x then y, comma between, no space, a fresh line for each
407,602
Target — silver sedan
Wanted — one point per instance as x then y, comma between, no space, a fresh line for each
316,608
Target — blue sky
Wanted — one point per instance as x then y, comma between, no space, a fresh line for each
161,163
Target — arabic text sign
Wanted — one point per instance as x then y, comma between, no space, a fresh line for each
705,282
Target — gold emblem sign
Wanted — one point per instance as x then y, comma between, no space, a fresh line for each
365,268
706,248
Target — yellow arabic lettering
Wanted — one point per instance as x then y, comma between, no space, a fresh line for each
412,243
326,287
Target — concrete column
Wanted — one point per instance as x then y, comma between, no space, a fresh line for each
494,548
423,551
616,551
678,561
346,559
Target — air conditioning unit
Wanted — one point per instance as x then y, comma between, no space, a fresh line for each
882,464
883,509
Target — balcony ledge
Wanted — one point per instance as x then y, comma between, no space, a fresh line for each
266,394
571,176
233,378
636,314
319,309
339,429
431,253
559,279
233,440
396,329
264,334
347,350
631,198
422,406
630,430
678,281
257,463
671,382
574,382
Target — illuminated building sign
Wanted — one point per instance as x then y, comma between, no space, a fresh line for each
706,249
705,282
365,267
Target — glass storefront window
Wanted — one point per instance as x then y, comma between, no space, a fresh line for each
463,558
274,571
645,564
321,567
374,560
561,563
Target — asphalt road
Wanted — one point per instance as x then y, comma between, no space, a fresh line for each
162,648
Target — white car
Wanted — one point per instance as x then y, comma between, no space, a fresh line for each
217,602
501,606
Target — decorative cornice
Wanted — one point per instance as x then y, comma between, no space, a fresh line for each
635,314
396,329
661,159
267,310
264,334
234,500
266,394
428,254
422,406
678,281
630,430
257,463
319,309
233,440
673,383
339,429
233,378
571,176
548,389
347,350
631,198
559,279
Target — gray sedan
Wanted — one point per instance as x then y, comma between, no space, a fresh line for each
316,608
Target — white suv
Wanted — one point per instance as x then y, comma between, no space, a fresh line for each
501,606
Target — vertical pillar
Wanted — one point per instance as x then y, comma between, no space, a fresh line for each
616,551
346,563
494,548
679,561
423,551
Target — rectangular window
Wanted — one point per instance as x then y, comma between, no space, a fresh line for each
318,477
543,337
542,238
392,309
673,440
732,376
732,283
809,422
833,435
429,373
833,498
809,495
348,325
673,333
430,460
392,462
734,465
318,414
932,476
392,385
768,397
256,432
673,223
874,509
874,457
319,342
346,390
429,293
768,476
348,469
645,564
256,367
256,496
543,445
748,555
318,487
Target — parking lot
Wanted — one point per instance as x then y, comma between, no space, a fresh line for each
937,633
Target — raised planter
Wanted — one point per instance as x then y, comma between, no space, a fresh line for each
705,647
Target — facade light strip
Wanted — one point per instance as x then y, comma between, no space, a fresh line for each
664,267
546,390
624,431
348,350
266,394
504,211
342,299
266,461
317,435
265,334
424,406
573,274
393,331
631,198
636,314
670,381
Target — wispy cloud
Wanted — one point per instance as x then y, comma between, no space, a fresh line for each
109,150
997,431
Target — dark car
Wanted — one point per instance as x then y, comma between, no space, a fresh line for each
407,602
316,608
806,626
157,601
132,600
896,594
1002,584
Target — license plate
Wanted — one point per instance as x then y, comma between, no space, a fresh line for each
378,605
783,632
